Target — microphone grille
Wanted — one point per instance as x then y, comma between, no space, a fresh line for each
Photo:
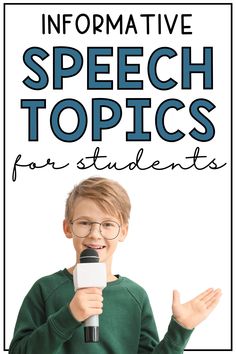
89,256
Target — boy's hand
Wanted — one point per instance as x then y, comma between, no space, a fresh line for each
85,303
196,310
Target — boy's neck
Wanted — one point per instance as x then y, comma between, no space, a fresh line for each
111,278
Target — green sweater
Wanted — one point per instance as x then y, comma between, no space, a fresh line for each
46,326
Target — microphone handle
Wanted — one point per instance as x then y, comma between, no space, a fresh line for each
91,329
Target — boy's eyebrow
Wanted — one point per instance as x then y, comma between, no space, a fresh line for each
91,219
83,217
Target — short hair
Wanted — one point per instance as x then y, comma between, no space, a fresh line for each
109,195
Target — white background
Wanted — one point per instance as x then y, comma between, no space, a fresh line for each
179,234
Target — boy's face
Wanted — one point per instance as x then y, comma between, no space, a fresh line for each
87,210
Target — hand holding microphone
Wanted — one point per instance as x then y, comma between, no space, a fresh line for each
86,302
89,280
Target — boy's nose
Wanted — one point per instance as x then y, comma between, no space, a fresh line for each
95,231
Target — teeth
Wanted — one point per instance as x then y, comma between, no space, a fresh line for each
96,248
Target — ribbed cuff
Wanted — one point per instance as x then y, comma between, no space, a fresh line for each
63,322
178,335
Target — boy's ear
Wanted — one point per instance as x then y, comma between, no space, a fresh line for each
123,232
67,229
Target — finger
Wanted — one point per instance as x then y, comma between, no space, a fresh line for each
94,311
209,298
94,297
95,304
212,304
92,291
203,294
91,295
176,297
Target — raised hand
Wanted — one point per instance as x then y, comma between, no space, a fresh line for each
193,312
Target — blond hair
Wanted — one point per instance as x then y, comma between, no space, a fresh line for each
109,195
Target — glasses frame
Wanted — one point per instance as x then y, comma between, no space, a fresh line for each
91,225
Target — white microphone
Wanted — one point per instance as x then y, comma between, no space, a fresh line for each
89,273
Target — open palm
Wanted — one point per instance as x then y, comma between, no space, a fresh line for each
191,313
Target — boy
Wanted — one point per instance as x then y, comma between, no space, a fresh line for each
52,315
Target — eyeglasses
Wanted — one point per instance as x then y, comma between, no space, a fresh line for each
109,229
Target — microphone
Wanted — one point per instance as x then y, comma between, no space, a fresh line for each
89,273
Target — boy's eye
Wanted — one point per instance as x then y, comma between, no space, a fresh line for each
108,224
83,223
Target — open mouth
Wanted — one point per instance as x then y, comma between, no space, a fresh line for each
95,247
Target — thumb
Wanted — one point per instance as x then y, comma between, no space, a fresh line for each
176,298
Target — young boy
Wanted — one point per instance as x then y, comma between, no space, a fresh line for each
52,314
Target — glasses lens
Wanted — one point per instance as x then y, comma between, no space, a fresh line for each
109,229
81,228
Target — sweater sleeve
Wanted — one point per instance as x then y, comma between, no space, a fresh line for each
174,341
35,333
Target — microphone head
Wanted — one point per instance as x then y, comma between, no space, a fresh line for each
89,256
